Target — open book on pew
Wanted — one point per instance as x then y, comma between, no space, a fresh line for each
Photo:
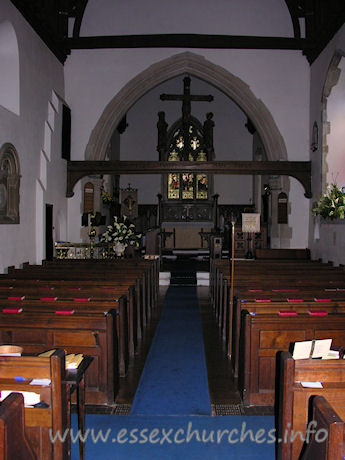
313,349
72,360
30,398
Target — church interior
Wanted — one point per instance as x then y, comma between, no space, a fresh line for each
172,200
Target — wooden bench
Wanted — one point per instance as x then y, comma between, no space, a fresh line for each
40,423
298,304
91,334
328,420
267,253
294,400
268,279
126,277
262,336
123,335
13,440
93,290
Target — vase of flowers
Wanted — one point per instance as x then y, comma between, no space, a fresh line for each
332,204
119,249
120,235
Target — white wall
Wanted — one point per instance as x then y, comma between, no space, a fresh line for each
336,137
326,240
279,78
40,76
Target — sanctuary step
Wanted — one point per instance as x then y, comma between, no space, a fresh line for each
183,262
184,272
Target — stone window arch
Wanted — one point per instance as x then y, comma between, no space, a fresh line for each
9,185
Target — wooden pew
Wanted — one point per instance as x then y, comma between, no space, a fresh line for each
267,278
85,289
303,304
123,335
39,421
99,282
328,420
13,440
294,400
268,253
91,334
263,336
126,276
126,267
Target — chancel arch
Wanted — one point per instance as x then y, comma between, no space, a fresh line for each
238,92
194,65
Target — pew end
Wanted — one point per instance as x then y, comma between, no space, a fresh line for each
13,440
327,419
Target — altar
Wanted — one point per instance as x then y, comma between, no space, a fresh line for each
180,235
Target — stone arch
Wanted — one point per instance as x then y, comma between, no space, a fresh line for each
332,79
9,69
198,66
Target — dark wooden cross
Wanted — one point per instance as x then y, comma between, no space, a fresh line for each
186,99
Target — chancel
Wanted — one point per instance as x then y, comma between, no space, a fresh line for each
172,193
186,205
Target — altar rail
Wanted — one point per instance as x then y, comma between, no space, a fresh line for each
65,250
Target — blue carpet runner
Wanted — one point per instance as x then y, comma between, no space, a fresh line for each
174,379
170,417
119,437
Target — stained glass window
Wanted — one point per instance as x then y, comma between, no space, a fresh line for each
201,186
174,186
187,145
187,186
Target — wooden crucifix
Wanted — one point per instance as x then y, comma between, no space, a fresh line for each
186,99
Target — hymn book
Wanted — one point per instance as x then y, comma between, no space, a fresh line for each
72,360
312,349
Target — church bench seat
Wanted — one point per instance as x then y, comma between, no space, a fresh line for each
38,421
151,268
260,279
277,307
139,277
92,334
263,335
86,297
134,287
13,439
328,420
268,253
295,401
124,342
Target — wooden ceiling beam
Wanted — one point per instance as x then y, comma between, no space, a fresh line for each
188,41
301,170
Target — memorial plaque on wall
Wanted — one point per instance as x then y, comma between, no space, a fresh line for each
282,208
89,191
129,202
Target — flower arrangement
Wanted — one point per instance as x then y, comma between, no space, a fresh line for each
332,204
121,232
106,197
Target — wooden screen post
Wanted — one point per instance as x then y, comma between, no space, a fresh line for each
231,286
